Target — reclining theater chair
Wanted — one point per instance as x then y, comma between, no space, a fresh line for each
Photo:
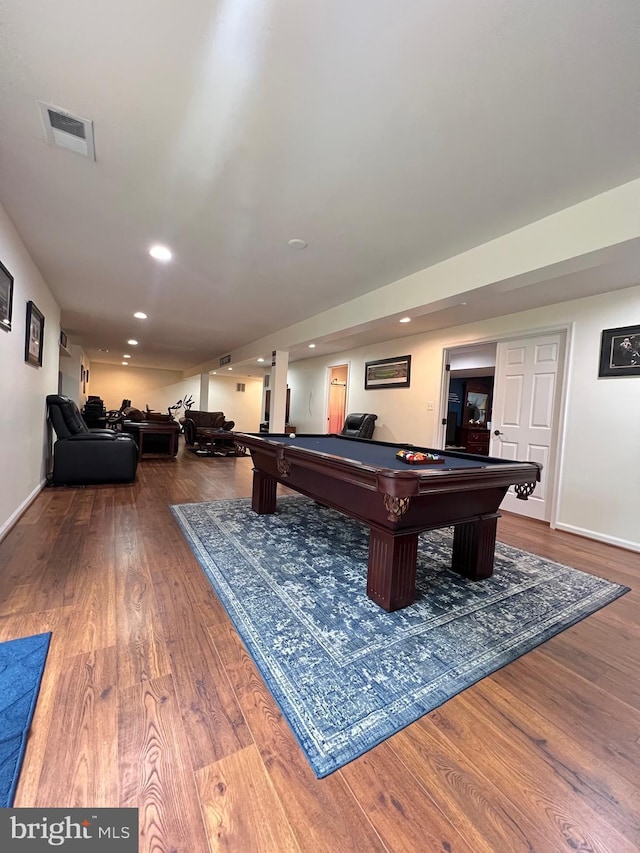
82,456
359,425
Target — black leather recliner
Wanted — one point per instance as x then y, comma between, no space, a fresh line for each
359,425
82,456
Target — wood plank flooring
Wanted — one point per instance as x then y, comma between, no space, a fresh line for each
149,699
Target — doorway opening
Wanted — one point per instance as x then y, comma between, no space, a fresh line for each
471,372
337,399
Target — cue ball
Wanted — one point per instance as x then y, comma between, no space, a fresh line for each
292,435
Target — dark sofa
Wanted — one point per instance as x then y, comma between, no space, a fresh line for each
203,432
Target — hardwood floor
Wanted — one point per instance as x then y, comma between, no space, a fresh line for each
150,700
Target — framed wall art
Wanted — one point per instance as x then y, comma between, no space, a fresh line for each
388,372
34,337
6,298
620,352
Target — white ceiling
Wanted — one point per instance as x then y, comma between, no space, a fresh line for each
387,135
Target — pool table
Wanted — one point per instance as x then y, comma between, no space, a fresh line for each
363,479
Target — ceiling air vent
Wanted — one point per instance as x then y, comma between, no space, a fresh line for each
67,130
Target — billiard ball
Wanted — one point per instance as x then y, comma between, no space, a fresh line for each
292,435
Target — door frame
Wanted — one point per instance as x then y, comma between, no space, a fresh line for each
327,397
557,445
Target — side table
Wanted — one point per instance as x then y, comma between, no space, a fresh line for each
154,438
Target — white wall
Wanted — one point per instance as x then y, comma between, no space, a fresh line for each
161,398
23,388
70,365
243,407
473,358
601,441
402,413
602,448
143,386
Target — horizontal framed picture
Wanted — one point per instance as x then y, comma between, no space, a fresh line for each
34,336
388,372
6,298
620,352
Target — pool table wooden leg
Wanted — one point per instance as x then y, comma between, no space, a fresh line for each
391,577
263,496
474,545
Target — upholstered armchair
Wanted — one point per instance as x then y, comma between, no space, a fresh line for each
359,425
82,456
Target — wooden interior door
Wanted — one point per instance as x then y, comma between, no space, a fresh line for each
337,398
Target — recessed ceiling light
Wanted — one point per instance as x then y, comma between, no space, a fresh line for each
229,368
261,359
312,346
140,315
126,355
297,244
160,253
103,350
125,364
405,320
132,343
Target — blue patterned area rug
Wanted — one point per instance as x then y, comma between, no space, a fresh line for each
21,667
346,674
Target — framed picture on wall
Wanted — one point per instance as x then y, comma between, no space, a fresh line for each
620,352
388,372
6,298
34,336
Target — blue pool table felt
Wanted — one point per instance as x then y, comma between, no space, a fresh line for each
378,455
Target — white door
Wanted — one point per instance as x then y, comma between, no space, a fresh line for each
525,413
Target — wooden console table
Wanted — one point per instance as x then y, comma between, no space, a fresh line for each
154,437
474,439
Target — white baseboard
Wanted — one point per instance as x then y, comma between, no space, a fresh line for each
600,537
13,519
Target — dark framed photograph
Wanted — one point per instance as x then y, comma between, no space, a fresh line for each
620,352
6,297
388,372
34,337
